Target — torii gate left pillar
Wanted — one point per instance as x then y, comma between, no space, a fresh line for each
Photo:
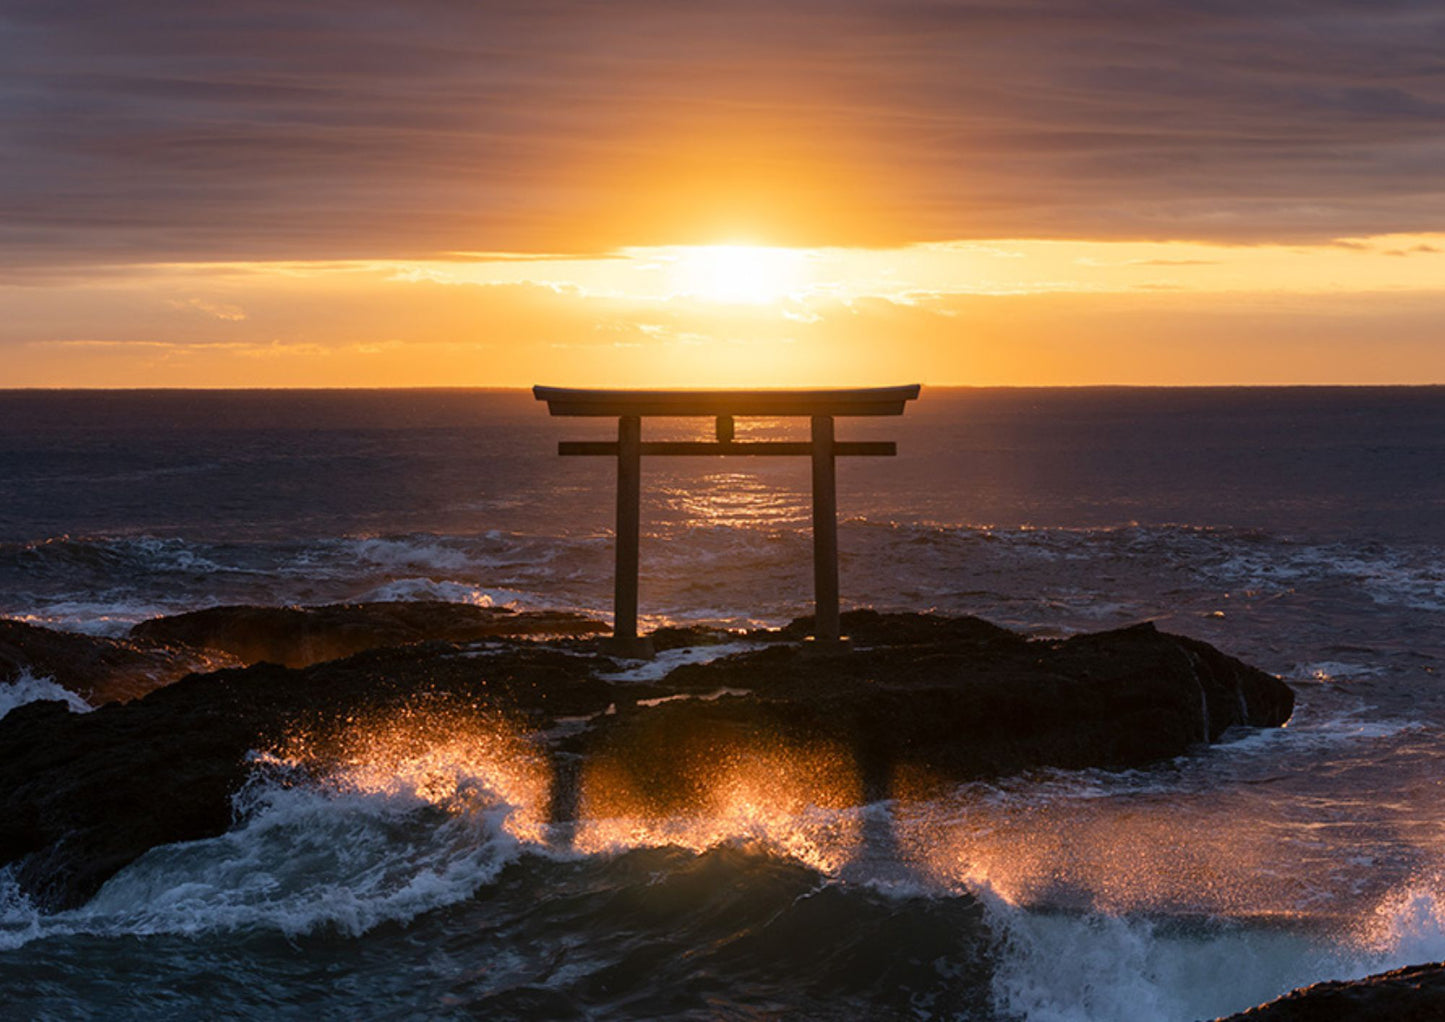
630,406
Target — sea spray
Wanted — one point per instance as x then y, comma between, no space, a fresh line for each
306,860
1065,966
20,920
303,860
1057,966
27,688
1405,928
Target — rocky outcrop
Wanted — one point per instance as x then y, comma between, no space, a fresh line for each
81,795
301,636
99,670
1414,994
942,700
924,700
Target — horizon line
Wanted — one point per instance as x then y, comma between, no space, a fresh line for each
527,388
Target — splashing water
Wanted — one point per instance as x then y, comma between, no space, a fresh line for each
796,801
454,757
26,688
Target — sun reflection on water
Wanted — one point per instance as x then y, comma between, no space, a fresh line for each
737,500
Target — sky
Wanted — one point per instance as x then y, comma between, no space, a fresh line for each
648,193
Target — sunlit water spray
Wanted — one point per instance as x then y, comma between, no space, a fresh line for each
456,758
790,799
1102,902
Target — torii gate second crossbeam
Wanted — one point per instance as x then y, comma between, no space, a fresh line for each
630,406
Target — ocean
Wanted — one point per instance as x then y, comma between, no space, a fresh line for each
1299,529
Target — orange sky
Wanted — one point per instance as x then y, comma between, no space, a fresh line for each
861,191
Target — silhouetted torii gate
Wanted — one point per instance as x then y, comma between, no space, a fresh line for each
821,406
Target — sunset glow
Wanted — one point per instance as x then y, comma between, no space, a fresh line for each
751,274
663,196
1005,311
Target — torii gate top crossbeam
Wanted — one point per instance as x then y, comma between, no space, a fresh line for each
853,401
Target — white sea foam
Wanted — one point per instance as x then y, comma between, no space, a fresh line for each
111,618
1407,577
29,689
169,554
1058,967
1406,928
412,553
445,555
1333,671
659,666
20,921
303,860
1092,967
412,589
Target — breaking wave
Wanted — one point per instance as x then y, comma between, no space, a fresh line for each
26,688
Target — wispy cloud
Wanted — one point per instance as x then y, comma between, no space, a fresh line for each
167,130
218,310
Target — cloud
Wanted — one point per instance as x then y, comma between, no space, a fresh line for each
167,130
219,310
1413,250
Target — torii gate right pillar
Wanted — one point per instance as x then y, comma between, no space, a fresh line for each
629,538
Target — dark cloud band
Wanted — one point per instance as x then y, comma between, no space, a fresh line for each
175,130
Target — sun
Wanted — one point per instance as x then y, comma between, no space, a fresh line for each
737,274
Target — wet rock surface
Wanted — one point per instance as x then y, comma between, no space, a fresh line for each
1413,994
301,636
99,670
944,700
917,700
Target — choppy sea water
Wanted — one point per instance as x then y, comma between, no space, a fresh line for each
1301,530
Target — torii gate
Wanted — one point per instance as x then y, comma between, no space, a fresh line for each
821,406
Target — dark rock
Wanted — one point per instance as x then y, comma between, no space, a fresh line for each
98,670
690,636
1414,994
970,701
872,628
932,701
301,636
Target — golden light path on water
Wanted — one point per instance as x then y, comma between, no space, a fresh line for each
753,493
736,500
